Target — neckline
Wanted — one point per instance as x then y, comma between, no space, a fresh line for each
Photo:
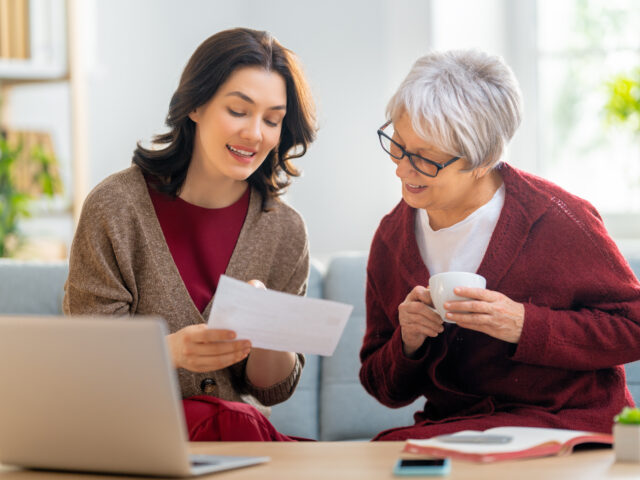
243,199
424,215
519,212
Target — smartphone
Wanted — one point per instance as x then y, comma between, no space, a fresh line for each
484,439
422,467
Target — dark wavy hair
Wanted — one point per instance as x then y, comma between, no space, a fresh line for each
208,68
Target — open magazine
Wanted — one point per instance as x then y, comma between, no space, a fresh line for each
505,443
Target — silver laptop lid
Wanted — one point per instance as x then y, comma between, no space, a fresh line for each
90,394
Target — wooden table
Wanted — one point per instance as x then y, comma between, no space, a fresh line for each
371,461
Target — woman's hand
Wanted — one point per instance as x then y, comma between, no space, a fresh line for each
488,312
418,320
198,348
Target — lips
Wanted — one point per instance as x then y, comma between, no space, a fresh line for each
415,188
241,151
242,154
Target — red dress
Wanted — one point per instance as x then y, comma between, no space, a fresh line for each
549,251
201,242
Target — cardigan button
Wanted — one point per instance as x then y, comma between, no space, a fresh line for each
208,385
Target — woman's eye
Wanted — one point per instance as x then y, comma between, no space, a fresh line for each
272,123
235,113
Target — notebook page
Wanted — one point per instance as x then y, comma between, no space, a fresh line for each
523,439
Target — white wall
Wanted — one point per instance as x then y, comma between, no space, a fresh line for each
354,52
489,25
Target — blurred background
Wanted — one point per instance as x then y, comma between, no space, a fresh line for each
81,81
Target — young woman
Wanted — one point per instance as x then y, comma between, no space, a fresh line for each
203,201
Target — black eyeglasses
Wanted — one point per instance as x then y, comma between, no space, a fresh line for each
421,164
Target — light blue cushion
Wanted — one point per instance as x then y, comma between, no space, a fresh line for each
298,416
633,369
347,411
29,287
633,380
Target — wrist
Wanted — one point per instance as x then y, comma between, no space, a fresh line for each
172,350
409,352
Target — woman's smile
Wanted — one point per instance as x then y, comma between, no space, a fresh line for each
242,154
414,188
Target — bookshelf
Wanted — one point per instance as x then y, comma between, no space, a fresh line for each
35,63
33,43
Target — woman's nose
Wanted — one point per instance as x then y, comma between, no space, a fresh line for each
403,167
253,130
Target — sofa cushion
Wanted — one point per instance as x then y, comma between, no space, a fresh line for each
29,287
633,369
347,411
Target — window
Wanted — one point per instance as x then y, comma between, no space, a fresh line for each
563,53
582,45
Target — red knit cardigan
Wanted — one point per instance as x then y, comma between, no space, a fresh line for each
549,251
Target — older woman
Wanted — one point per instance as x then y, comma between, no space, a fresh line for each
543,344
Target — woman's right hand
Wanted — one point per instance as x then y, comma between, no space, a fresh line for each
417,320
198,348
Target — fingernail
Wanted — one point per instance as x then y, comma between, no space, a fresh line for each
231,335
257,284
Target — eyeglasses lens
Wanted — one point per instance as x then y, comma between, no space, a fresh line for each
393,149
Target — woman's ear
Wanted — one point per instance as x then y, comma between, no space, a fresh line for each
194,116
481,171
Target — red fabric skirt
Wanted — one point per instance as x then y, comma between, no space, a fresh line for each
210,419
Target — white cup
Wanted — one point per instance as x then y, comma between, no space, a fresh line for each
441,286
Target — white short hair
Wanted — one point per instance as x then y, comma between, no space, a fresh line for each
465,102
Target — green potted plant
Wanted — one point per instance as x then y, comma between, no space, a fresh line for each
623,102
14,202
626,435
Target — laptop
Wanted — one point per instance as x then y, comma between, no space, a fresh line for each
95,395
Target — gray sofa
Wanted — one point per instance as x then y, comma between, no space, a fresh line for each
330,403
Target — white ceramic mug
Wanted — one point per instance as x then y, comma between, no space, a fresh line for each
441,286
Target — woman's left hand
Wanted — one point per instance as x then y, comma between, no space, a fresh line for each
488,312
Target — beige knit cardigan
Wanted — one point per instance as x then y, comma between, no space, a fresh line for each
120,264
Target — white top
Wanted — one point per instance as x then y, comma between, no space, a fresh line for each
460,247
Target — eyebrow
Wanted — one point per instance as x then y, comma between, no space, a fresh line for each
420,150
248,99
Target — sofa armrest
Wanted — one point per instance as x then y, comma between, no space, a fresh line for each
30,287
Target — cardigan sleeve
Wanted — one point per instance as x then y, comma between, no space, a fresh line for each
394,379
95,285
600,336
273,394
599,324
